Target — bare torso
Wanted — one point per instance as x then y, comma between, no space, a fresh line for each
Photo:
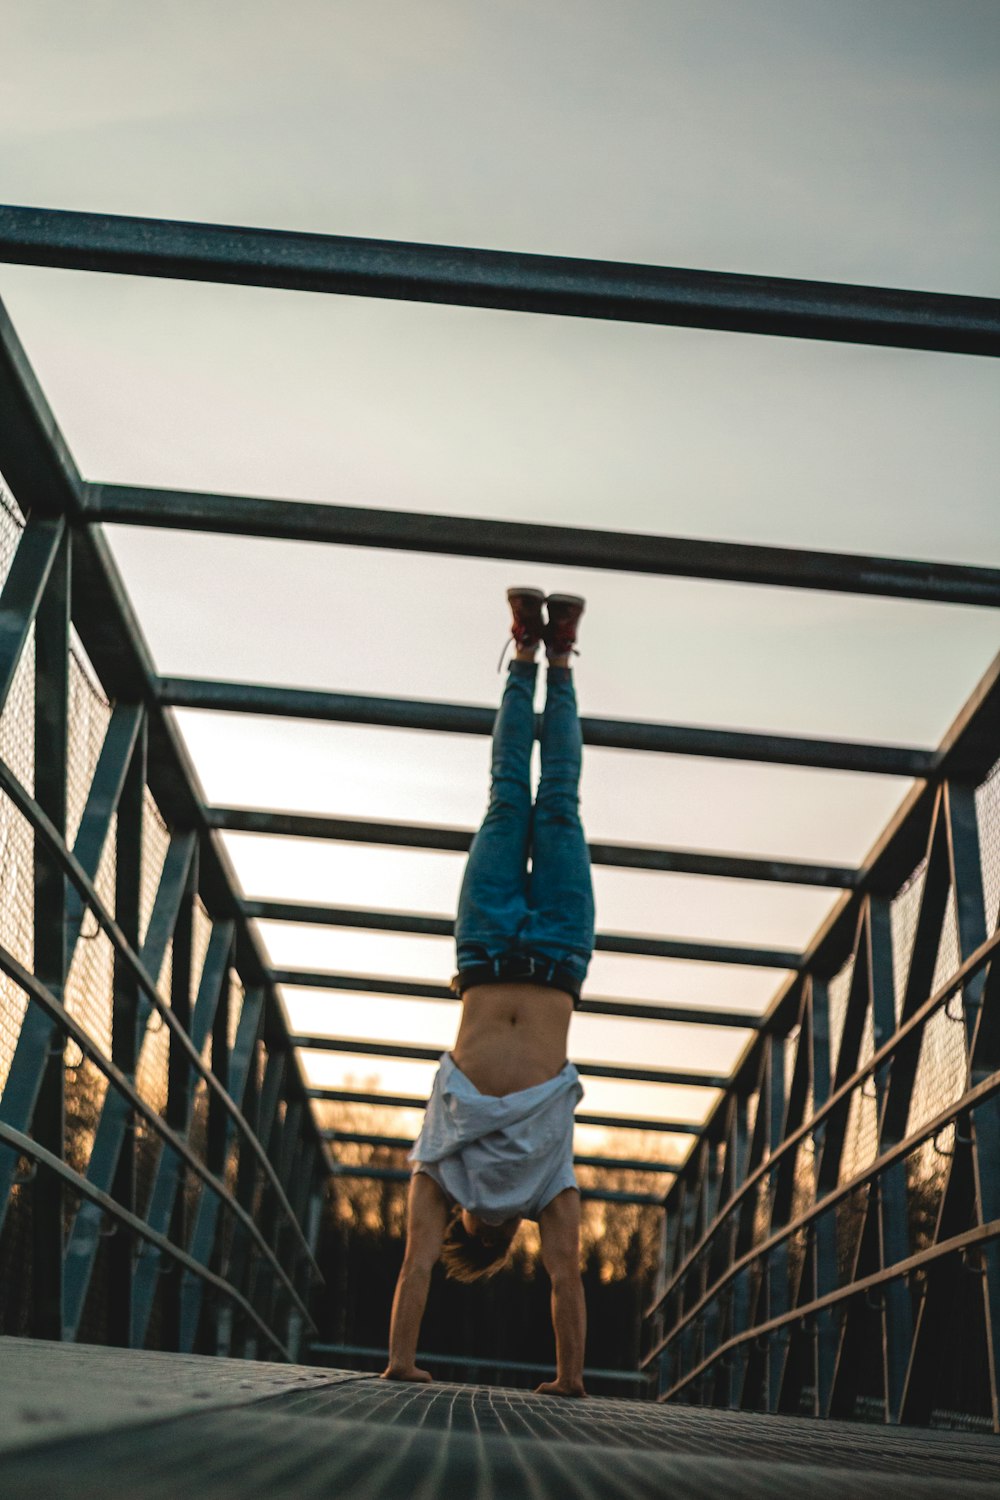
512,1036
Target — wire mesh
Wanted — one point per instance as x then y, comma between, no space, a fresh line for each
151,1074
861,1133
89,989
237,995
904,912
839,990
89,716
988,814
17,750
940,1079
155,843
201,933
942,1069
154,1053
88,994
16,922
88,997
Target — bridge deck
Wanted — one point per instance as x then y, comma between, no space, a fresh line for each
95,1422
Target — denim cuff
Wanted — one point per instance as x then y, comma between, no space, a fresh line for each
522,668
560,674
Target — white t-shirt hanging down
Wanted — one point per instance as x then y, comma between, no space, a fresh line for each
501,1157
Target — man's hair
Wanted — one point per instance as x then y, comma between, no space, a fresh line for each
466,1257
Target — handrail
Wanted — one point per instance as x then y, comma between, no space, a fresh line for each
981,1234
972,965
25,1145
30,809
971,1099
42,996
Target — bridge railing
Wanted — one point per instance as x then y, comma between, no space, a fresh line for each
160,1171
832,1245
751,1224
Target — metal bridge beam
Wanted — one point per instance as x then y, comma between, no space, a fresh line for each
408,989
588,1194
613,734
519,541
458,841
405,1143
519,282
37,464
672,1076
606,942
414,1101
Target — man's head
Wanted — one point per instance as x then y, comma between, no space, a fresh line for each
473,1249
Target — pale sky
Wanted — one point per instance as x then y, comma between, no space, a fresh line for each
851,142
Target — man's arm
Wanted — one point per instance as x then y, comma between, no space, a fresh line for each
426,1221
559,1226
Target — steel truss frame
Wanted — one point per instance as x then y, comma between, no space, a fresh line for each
742,1321
726,1325
250,1249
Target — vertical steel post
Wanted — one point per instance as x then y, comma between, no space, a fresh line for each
50,918
125,1006
179,1090
243,1091
824,1243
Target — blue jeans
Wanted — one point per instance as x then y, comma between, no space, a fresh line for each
502,908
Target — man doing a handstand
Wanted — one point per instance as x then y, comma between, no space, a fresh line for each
497,1141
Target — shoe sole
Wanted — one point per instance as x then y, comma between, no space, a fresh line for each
526,594
566,599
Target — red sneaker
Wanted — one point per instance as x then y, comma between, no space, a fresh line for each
559,635
527,625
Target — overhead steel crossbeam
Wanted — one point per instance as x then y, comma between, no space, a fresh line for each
513,541
415,1101
419,925
458,840
500,279
613,734
588,1194
590,1005
671,1076
405,1143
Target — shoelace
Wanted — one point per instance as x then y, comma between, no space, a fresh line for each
572,651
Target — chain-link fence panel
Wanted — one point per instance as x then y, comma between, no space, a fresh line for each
17,857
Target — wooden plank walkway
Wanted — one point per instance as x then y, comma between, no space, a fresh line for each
94,1422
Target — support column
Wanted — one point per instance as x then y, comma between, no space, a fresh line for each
50,956
128,885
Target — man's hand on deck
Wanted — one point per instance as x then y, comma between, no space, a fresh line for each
559,1224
